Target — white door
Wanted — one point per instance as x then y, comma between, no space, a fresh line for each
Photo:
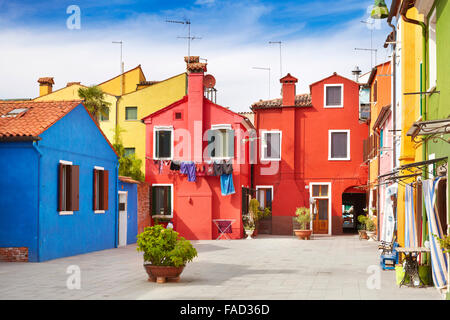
122,219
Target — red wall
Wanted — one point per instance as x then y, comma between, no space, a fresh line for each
305,153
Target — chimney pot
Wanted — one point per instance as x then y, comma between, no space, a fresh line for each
288,90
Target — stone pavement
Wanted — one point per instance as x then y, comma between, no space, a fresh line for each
269,267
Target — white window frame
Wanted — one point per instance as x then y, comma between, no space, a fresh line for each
222,127
263,144
330,132
264,187
66,213
432,51
159,216
325,95
163,128
330,220
99,169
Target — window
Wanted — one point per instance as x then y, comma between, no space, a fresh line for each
68,187
271,145
162,200
104,117
100,190
163,143
221,142
339,145
320,190
129,151
177,115
375,91
334,96
264,195
432,50
381,141
130,113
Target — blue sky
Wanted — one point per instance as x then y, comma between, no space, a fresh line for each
318,38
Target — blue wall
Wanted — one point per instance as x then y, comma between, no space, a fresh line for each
73,138
132,202
19,197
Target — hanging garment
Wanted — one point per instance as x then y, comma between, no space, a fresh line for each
189,169
410,220
209,169
175,166
227,167
218,168
439,263
226,184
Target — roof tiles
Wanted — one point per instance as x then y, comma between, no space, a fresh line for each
301,100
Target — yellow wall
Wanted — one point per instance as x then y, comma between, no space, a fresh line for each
130,79
411,56
147,101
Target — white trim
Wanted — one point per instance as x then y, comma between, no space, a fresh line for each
69,163
163,128
99,168
330,132
265,187
263,144
330,221
65,213
99,211
325,95
171,200
221,126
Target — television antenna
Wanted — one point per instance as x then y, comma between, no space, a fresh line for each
281,65
189,37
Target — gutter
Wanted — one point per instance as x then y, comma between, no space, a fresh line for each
39,152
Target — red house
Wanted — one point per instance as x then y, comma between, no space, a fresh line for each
310,153
191,145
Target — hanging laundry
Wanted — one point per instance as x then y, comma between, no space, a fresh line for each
209,169
175,166
226,184
189,169
218,168
228,167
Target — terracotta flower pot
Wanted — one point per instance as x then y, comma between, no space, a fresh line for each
303,234
162,273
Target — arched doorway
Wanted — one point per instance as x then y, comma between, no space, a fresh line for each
353,204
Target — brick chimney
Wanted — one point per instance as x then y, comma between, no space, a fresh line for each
288,90
196,71
45,85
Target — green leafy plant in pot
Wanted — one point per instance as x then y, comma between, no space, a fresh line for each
362,227
303,217
165,253
370,228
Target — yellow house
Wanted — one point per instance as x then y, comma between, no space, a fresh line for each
132,97
411,56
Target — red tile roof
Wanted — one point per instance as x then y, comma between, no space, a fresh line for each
301,100
21,119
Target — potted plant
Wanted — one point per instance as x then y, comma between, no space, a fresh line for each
249,226
362,227
165,253
256,214
370,228
303,217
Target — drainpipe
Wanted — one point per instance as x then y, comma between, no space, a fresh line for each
394,92
377,134
117,110
39,152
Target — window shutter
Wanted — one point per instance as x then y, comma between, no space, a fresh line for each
153,201
230,137
169,200
104,189
74,188
156,142
95,190
60,187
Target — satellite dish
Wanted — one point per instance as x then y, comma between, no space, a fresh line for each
209,81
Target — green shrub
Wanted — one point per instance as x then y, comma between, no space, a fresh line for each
164,247
370,225
303,217
444,243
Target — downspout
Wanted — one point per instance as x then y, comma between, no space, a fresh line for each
39,152
377,134
117,111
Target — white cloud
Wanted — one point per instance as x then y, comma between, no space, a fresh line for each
232,46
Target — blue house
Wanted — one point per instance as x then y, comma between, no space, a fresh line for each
128,211
59,182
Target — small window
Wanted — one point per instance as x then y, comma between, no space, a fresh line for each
375,91
271,145
334,96
264,196
68,187
178,115
100,189
221,142
130,113
381,141
320,190
339,145
129,151
105,117
162,200
163,143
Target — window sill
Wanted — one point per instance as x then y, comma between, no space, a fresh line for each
222,158
339,159
270,159
334,107
65,213
99,211
132,120
163,159
162,216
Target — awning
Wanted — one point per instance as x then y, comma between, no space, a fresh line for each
430,129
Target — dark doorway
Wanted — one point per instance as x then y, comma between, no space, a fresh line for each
352,207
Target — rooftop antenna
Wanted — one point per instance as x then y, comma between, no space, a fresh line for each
189,38
121,62
372,50
266,69
281,65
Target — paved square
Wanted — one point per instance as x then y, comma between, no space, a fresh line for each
269,267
